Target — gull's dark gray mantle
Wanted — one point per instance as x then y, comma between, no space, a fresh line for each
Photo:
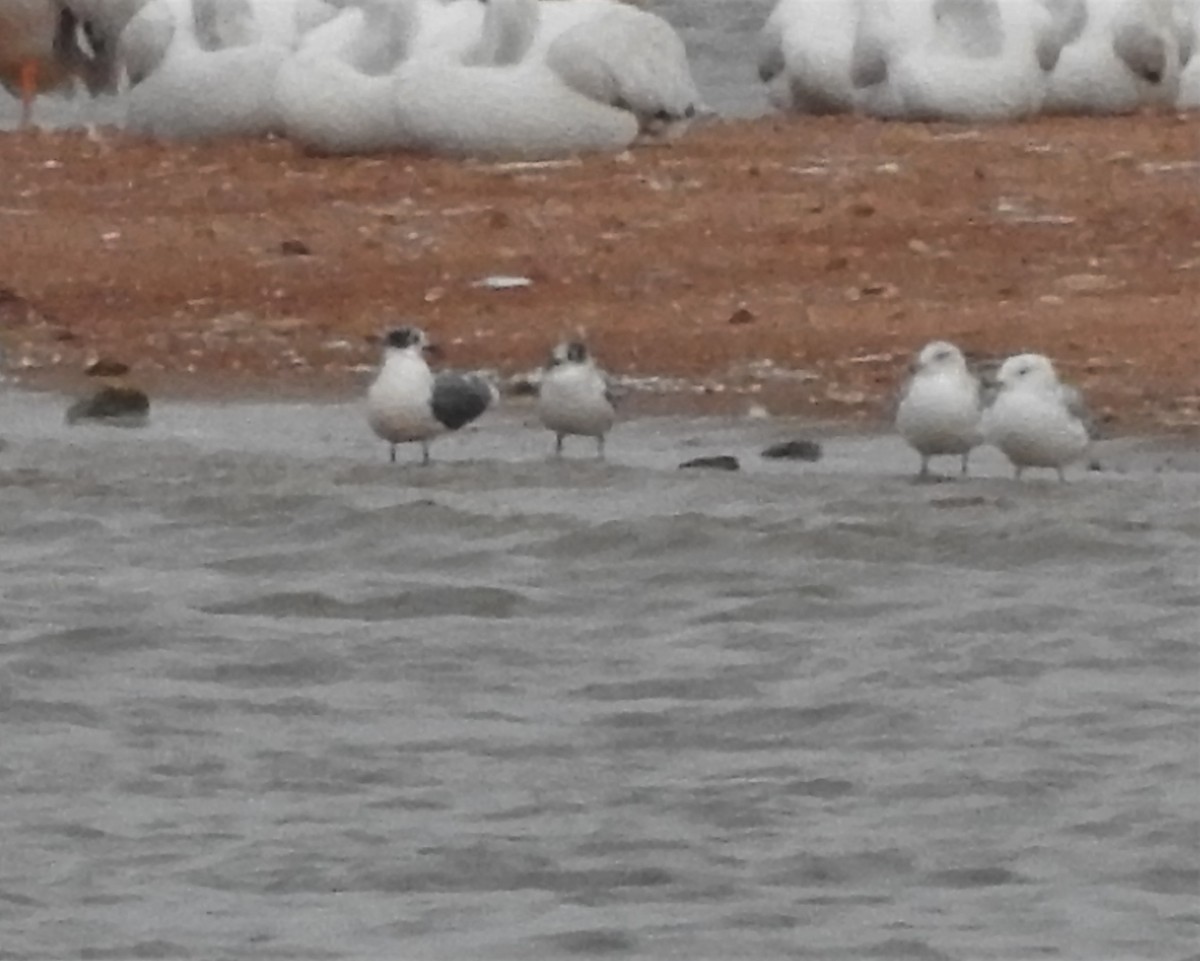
459,398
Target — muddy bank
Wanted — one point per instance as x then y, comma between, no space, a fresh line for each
793,263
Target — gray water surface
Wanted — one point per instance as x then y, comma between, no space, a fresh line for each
265,695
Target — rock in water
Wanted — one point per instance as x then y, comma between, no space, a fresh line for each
800,449
718,462
113,404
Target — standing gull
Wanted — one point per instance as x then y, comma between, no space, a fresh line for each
408,402
574,396
1035,420
940,406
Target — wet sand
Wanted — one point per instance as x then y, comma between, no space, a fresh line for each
794,263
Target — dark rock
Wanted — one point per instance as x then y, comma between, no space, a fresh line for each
716,462
106,367
295,248
742,316
800,449
113,404
523,385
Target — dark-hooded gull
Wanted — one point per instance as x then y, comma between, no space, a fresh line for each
574,396
408,402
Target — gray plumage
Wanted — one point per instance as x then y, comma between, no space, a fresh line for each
459,399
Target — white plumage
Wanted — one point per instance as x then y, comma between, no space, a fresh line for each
574,396
940,406
1035,420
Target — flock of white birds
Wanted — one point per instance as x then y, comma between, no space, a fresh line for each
545,78
980,60
502,78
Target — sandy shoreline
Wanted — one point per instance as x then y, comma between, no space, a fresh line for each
786,262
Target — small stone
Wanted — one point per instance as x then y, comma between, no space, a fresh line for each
716,462
119,406
106,367
295,248
862,208
522,385
799,449
742,315
878,289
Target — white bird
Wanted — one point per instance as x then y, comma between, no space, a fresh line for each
940,406
408,402
574,396
1035,420
216,75
1187,17
41,50
1129,55
805,51
960,60
336,94
618,54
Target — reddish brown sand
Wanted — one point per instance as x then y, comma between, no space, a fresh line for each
789,262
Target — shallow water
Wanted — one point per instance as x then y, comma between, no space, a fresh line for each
267,696
721,37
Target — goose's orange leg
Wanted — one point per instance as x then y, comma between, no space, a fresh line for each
29,77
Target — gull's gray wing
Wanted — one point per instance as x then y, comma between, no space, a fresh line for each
613,393
1076,406
459,398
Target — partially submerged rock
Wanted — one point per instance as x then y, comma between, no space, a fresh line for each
106,367
115,404
799,449
715,462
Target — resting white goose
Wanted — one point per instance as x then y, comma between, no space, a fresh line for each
970,61
216,77
618,54
805,51
1128,56
598,84
335,95
523,110
472,32
1187,14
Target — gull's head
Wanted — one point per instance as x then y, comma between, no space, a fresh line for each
569,352
408,339
1021,370
938,357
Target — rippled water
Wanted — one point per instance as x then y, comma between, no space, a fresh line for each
267,696
721,37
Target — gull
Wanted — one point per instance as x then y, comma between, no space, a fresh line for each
574,396
1035,420
408,402
940,406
